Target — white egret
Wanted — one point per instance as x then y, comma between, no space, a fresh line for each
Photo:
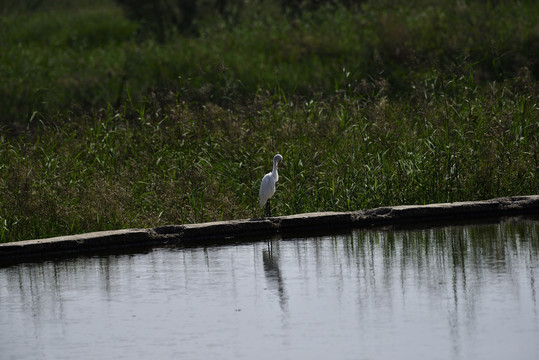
267,187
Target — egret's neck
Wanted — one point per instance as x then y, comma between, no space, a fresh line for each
274,173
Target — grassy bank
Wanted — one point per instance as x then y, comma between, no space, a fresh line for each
103,128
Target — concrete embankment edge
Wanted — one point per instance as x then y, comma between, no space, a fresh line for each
238,229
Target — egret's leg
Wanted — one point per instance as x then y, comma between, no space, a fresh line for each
268,209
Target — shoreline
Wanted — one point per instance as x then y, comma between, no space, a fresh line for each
222,231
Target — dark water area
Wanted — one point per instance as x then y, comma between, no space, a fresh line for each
453,292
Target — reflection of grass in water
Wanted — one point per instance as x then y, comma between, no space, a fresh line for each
374,107
456,267
451,265
459,251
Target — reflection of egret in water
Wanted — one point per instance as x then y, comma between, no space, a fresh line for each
461,291
273,274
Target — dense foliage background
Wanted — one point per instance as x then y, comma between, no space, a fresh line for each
141,113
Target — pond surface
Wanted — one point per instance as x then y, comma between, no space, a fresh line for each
455,292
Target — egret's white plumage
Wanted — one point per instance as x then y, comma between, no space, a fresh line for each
267,187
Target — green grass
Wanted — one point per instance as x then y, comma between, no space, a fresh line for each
377,105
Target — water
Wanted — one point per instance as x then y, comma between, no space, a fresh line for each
455,292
